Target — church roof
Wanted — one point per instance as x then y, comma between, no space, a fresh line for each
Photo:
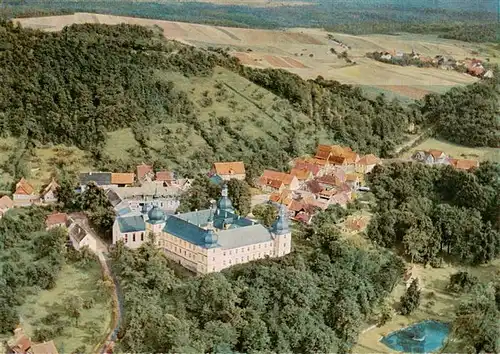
132,223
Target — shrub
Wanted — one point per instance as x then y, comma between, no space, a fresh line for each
411,299
461,282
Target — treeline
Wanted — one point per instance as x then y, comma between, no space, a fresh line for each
30,259
433,210
468,32
308,302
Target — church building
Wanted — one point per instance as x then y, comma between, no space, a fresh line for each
209,240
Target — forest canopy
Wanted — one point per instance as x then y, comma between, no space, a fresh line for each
433,210
309,301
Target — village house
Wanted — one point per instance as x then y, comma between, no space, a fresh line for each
338,155
353,180
24,194
56,220
80,237
316,169
20,343
209,240
5,205
144,173
488,74
48,195
277,181
432,157
285,197
303,175
101,179
367,163
164,177
229,170
122,179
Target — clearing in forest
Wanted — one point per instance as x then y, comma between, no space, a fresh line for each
93,324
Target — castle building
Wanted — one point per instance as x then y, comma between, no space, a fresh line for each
206,241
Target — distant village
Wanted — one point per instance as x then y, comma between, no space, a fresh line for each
471,66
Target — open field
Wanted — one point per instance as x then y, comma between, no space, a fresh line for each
456,151
93,323
306,52
42,164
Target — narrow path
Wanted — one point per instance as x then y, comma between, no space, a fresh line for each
110,341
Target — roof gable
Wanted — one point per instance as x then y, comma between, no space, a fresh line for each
301,174
51,187
229,168
164,176
56,219
143,170
23,187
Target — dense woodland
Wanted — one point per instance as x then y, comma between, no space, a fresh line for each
75,86
30,259
437,210
310,301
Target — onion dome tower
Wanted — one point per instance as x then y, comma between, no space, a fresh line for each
224,204
211,238
281,226
156,215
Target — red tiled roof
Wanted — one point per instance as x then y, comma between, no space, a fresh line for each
330,180
6,202
296,206
23,187
56,219
301,174
143,170
336,154
305,165
369,159
229,168
271,182
464,164
23,343
282,198
351,177
286,178
435,153
303,217
164,176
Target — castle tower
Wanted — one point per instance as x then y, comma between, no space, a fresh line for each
282,234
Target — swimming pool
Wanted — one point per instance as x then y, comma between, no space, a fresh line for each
422,337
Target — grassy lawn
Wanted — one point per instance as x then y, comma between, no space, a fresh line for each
436,303
119,142
93,324
456,151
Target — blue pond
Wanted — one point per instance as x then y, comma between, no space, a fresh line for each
422,337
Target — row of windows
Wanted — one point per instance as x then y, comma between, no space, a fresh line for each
242,249
254,256
125,238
